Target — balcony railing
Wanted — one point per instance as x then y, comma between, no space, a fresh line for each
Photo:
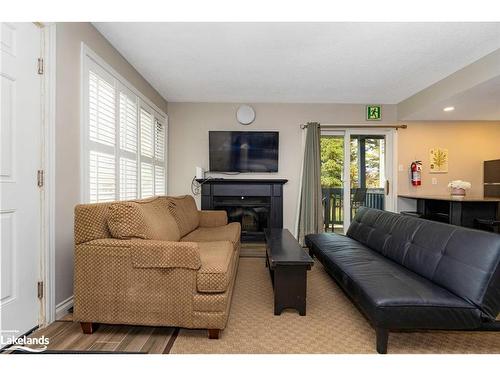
333,203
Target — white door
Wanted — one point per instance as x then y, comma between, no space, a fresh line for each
357,170
20,142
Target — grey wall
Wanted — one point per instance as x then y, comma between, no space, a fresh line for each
189,124
69,37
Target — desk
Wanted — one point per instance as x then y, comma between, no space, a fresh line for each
456,210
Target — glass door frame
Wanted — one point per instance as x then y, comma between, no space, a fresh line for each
390,172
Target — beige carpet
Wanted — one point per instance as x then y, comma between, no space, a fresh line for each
253,250
332,324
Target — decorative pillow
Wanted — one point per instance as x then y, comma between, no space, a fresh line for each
148,219
161,223
185,213
126,220
91,222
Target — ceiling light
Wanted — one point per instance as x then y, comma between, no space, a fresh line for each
448,109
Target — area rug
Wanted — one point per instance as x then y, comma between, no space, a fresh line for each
253,250
332,324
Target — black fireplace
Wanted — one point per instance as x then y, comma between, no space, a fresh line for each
253,213
255,204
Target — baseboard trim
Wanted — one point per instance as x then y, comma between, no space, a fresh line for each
63,307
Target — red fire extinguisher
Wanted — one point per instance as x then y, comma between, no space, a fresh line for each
416,173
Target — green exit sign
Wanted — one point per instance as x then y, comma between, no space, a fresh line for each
373,112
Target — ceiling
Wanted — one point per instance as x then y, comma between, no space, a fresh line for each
480,102
298,62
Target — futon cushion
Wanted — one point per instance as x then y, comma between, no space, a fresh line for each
147,219
390,294
216,271
185,213
230,232
462,260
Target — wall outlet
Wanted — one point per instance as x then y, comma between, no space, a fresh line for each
200,173
400,168
434,181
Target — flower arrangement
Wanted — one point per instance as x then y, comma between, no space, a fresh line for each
459,184
458,187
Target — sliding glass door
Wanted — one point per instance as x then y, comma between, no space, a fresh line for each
356,170
332,180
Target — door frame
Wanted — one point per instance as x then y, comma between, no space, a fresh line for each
390,170
47,249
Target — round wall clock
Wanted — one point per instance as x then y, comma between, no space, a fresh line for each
245,114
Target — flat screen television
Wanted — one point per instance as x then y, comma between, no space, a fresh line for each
231,151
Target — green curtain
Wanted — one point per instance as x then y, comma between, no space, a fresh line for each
310,203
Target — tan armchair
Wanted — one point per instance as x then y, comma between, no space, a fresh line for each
157,262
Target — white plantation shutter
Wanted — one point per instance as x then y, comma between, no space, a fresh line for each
147,152
146,133
102,134
101,110
147,179
159,140
102,177
128,178
128,123
125,139
127,152
159,180
152,145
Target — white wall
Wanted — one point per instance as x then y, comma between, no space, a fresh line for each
69,37
189,124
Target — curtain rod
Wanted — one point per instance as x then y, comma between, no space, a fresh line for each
338,126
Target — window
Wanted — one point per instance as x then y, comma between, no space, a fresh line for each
124,138
152,154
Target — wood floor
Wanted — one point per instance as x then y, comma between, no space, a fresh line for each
66,335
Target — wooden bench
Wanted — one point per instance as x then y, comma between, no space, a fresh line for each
288,265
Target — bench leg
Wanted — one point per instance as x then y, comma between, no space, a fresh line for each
290,288
213,334
88,328
382,340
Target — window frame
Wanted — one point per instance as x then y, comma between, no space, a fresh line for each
90,60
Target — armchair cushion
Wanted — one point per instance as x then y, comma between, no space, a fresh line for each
147,219
165,254
210,219
143,253
230,232
216,270
185,213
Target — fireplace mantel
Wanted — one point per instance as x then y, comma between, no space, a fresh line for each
212,181
215,190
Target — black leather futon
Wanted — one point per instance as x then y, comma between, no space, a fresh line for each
406,273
